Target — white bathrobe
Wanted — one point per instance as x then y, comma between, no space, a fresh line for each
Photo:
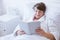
50,25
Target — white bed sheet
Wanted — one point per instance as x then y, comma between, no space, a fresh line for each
8,24
23,37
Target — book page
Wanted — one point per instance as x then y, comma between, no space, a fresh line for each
29,27
33,26
24,27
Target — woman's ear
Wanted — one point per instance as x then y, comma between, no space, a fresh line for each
42,13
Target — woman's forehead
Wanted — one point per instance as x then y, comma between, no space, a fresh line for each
36,9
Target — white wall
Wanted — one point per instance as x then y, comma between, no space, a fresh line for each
24,7
2,9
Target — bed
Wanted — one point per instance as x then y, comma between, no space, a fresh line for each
8,24
23,37
12,36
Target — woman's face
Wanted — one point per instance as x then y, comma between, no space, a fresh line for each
38,13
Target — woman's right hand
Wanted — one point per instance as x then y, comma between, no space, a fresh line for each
20,32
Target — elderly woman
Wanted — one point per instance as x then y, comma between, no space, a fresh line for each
40,9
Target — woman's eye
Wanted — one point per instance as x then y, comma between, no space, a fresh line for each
39,11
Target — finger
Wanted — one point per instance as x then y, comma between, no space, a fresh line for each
40,28
37,30
21,31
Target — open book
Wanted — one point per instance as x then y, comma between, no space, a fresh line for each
30,27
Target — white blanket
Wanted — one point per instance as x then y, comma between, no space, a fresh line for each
23,37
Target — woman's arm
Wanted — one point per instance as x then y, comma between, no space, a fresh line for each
54,28
50,36
45,34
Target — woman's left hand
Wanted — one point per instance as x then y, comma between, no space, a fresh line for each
40,31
